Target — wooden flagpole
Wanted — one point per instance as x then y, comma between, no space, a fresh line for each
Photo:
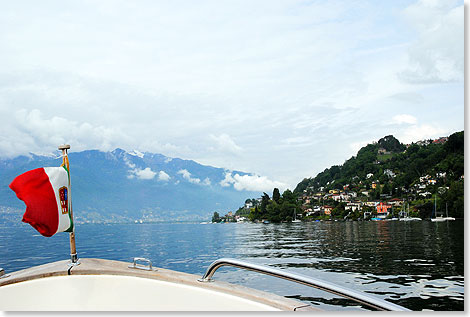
73,249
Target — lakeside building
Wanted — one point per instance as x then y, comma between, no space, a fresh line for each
353,206
441,140
395,202
327,210
382,210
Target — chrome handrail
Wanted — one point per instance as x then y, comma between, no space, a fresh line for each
135,266
367,300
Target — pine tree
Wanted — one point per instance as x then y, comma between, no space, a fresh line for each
276,195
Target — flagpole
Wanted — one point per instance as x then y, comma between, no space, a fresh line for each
73,249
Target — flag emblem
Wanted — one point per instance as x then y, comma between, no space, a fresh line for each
63,200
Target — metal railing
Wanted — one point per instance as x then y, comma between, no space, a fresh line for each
141,267
362,298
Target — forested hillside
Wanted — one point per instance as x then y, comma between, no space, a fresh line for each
399,171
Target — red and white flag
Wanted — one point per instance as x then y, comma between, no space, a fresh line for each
46,193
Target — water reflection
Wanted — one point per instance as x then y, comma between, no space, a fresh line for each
419,265
404,262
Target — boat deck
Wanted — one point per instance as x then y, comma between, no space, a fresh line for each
106,285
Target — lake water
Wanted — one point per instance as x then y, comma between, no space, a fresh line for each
419,265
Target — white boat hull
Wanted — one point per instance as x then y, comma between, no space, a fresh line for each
104,285
442,219
118,293
411,219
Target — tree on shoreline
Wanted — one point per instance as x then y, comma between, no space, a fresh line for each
216,217
280,208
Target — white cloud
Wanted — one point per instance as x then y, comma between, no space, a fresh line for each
298,140
225,143
162,176
39,132
251,182
139,173
187,176
404,118
437,54
145,173
422,132
206,181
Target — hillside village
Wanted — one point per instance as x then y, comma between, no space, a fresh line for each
319,203
347,204
380,190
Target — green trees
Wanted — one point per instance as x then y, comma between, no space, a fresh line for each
339,211
280,208
276,195
302,185
264,204
216,217
289,197
254,214
406,165
395,168
454,198
390,143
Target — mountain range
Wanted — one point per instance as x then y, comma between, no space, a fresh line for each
120,186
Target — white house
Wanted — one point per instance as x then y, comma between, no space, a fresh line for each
353,206
389,173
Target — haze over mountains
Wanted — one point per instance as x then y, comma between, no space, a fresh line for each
128,186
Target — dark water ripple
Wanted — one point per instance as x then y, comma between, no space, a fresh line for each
419,265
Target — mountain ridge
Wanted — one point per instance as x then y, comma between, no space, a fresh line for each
127,186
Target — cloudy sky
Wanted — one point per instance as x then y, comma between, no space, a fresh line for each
282,89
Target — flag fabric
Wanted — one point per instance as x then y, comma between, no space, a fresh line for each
46,193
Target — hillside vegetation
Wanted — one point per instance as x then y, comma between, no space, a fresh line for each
398,171
421,179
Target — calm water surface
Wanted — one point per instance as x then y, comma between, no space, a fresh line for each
419,265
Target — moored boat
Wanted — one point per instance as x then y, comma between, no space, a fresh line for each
408,218
441,218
